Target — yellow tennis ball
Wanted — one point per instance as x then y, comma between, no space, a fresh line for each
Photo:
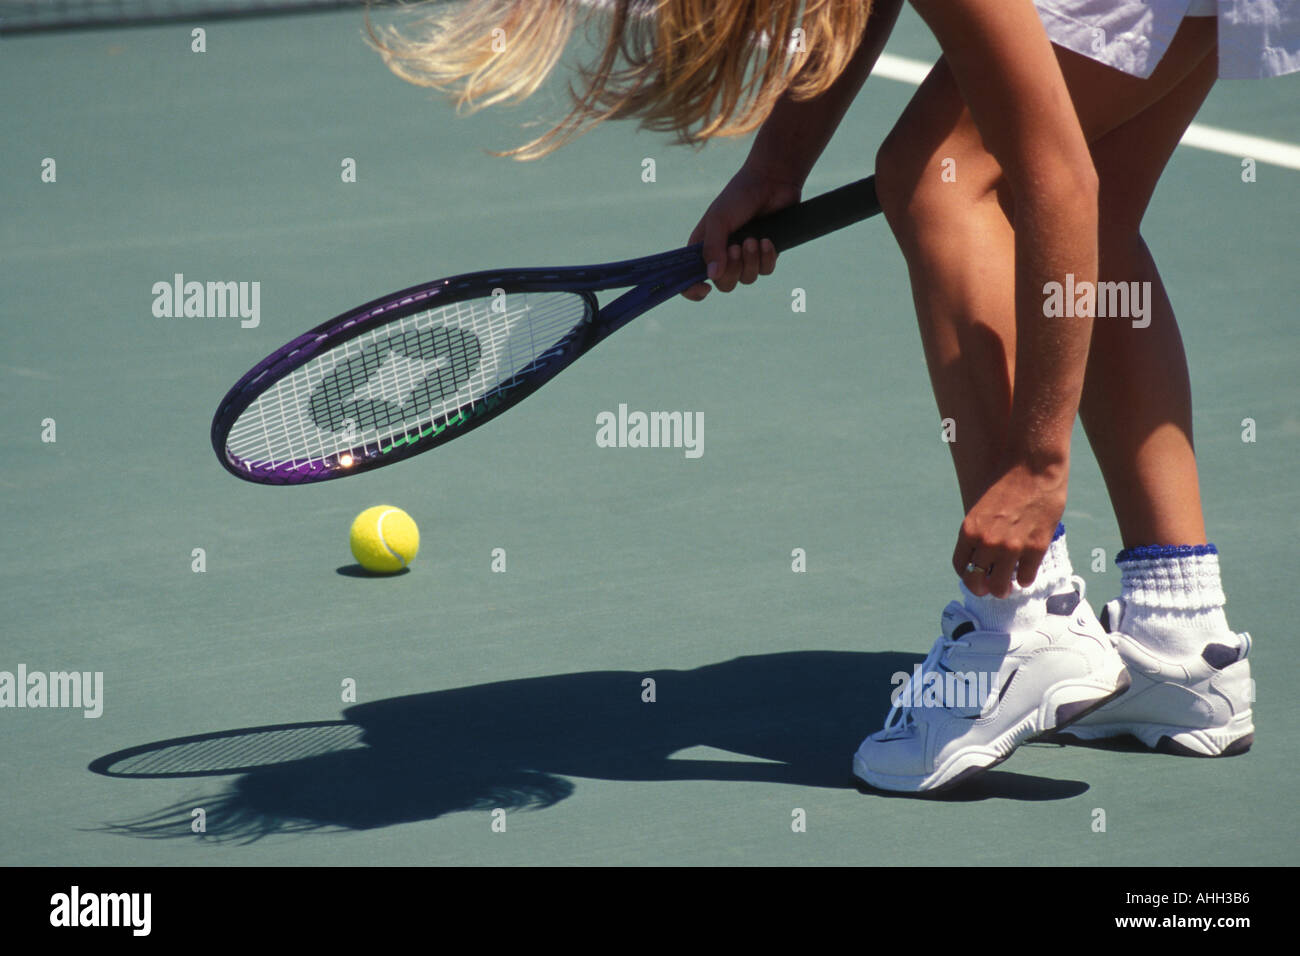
384,539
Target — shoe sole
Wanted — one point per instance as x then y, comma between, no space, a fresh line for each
964,765
1229,740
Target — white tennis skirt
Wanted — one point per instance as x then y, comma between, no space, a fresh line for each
1257,38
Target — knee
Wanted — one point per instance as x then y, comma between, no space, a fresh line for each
1119,243
897,180
922,195
1122,200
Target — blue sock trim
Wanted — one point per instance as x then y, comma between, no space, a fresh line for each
1152,552
1060,530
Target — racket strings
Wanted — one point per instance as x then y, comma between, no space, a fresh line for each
375,388
403,380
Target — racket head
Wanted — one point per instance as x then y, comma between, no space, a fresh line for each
400,375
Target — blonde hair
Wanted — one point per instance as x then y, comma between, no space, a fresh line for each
695,68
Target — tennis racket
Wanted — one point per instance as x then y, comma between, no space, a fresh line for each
417,368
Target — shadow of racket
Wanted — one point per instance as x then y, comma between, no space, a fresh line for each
227,752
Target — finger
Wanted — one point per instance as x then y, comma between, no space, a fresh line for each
975,573
1001,568
970,571
971,562
697,292
767,258
726,280
1027,569
749,261
715,248
961,555
964,552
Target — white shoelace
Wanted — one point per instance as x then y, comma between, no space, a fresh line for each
928,666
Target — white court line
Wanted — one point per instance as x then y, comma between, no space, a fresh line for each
1230,143
1198,136
902,69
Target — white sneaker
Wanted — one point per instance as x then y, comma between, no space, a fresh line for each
1033,681
1196,707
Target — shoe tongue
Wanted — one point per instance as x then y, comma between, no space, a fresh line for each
957,620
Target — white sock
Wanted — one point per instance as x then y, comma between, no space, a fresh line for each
1173,598
1026,606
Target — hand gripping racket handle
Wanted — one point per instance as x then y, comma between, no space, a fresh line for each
816,217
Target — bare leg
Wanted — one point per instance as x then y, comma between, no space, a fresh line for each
959,248
1137,400
958,240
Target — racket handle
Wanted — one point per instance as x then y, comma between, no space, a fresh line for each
815,217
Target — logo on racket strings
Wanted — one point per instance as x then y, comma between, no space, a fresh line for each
395,381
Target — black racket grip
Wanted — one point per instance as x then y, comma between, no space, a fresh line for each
814,217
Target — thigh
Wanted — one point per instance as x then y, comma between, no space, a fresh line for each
936,126
1131,157
1106,99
